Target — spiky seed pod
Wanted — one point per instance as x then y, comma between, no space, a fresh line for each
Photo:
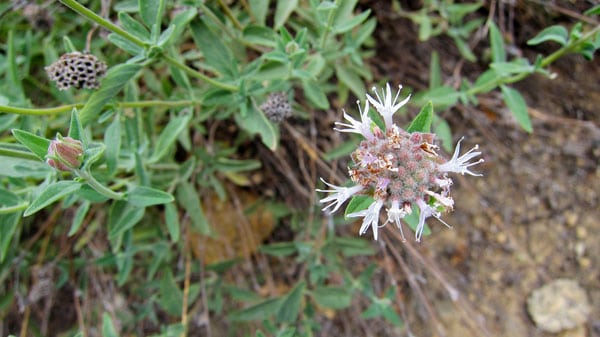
79,70
277,107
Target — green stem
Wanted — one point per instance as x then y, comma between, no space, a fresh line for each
197,74
74,5
97,186
546,61
68,108
7,151
330,18
570,47
14,208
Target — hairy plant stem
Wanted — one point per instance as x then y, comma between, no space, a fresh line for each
97,186
74,5
67,108
545,62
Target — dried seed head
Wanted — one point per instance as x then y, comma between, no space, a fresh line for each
277,107
77,70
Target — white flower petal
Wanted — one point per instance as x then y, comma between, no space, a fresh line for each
385,106
461,164
371,218
363,127
339,195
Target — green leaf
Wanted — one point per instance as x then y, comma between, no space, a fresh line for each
182,19
260,35
516,104
127,217
69,46
279,249
170,295
255,122
236,165
115,80
332,297
168,136
125,44
422,122
143,196
350,78
352,246
216,53
259,311
259,8
425,27
108,328
78,218
151,11
112,140
555,33
187,197
518,66
8,227
486,81
464,49
52,193
172,221
435,71
358,203
283,11
36,144
497,44
15,85
443,132
314,92
76,129
347,25
134,27
593,11
345,149
442,96
165,36
292,303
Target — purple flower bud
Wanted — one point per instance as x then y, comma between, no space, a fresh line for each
65,153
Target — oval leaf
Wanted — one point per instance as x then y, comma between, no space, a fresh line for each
516,104
51,194
143,196
553,33
112,84
38,145
422,122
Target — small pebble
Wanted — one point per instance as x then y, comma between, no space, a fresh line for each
559,305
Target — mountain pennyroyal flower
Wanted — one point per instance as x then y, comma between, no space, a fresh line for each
399,170
65,153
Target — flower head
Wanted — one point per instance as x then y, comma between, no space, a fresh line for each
277,107
65,153
79,70
401,171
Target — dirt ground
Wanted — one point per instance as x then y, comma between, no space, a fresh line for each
533,217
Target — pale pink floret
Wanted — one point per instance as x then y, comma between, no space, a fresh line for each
371,218
461,164
395,214
363,127
385,106
338,196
